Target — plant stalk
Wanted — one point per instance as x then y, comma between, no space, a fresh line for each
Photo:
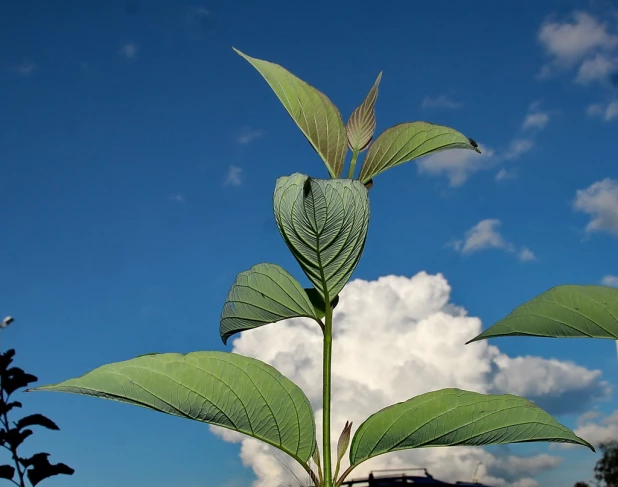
326,390
353,163
5,423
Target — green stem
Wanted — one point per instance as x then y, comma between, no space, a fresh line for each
326,373
347,472
353,164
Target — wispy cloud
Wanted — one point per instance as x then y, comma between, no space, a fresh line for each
600,202
25,69
234,176
607,111
129,50
246,135
441,101
588,46
178,198
504,174
535,120
486,235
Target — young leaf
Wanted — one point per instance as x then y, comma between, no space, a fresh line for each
6,407
324,224
6,359
36,420
41,469
408,141
7,472
450,417
362,123
568,311
264,294
313,112
236,392
344,441
318,302
14,437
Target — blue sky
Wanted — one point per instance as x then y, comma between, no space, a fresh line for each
139,154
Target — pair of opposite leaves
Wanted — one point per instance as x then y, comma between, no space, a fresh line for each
243,394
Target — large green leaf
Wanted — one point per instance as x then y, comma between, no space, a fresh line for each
451,417
264,294
408,141
324,223
362,123
568,311
313,112
236,392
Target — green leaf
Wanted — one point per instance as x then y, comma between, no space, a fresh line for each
362,123
313,112
318,302
236,392
568,311
450,417
408,141
264,294
324,223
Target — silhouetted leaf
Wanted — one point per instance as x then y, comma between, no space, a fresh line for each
6,407
15,378
7,472
41,469
6,359
36,420
14,437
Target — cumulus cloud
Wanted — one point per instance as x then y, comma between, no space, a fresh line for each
600,202
129,50
570,42
610,280
395,338
246,135
441,101
596,428
234,176
486,235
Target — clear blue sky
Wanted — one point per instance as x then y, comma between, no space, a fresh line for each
138,155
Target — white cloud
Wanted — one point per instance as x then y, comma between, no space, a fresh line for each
526,255
607,111
568,43
517,147
234,176
395,338
504,174
537,120
441,101
483,235
600,201
25,69
246,135
457,165
596,432
129,50
597,69
610,280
